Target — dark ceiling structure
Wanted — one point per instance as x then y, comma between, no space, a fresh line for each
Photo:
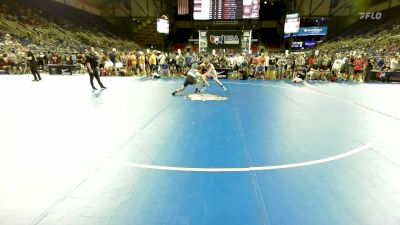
156,8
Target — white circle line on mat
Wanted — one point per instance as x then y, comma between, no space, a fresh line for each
249,169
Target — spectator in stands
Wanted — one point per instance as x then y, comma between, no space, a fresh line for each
41,61
163,65
3,63
113,56
214,60
299,74
12,61
282,63
108,65
337,65
260,68
380,62
21,67
325,68
359,66
129,64
310,61
300,61
73,58
172,63
271,70
142,64
134,63
80,59
223,62
239,63
146,59
290,66
180,60
345,69
119,68
188,61
394,63
55,59
152,63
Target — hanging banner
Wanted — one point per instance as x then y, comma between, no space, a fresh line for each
297,44
224,39
305,31
309,44
310,31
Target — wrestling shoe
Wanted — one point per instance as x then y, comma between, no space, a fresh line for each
174,93
203,89
223,87
103,87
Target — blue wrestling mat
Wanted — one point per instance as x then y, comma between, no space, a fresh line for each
260,153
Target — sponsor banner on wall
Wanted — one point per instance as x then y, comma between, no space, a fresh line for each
224,39
310,31
306,31
297,44
309,44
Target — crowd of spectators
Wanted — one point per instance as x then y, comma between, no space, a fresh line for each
52,39
314,65
56,41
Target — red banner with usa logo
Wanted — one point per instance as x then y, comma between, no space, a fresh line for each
224,39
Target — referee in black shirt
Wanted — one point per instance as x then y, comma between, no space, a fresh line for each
92,62
33,65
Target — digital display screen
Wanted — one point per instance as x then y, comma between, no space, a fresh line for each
163,26
309,31
226,9
292,23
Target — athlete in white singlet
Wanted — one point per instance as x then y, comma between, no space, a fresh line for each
211,72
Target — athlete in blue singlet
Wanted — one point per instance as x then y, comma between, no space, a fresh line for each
193,76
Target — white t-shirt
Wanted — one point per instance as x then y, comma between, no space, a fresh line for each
337,64
266,62
108,64
161,59
394,63
232,61
239,60
118,65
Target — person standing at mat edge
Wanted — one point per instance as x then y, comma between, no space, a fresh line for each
30,57
92,62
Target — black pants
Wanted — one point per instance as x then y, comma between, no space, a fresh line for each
95,74
35,72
